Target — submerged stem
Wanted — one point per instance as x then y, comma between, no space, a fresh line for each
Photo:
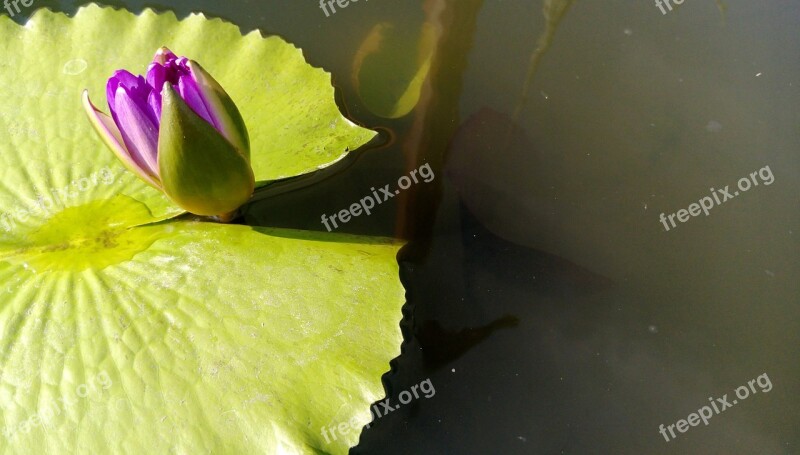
554,11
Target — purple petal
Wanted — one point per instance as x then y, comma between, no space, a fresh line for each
111,90
138,130
112,137
114,83
156,75
126,78
154,103
187,87
135,86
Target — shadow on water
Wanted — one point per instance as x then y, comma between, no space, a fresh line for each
465,293
505,262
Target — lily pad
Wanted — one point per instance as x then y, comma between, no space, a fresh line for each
125,331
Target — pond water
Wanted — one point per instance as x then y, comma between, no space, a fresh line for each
551,305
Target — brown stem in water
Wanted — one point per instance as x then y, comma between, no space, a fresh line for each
436,116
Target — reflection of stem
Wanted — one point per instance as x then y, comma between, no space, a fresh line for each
554,11
436,116
722,7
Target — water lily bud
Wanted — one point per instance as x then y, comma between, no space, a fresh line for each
179,131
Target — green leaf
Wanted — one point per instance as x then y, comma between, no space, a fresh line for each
121,335
214,338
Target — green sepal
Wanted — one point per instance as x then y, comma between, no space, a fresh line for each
200,170
223,109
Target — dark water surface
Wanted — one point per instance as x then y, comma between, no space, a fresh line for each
548,303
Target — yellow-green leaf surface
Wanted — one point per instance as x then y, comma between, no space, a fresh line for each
121,335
